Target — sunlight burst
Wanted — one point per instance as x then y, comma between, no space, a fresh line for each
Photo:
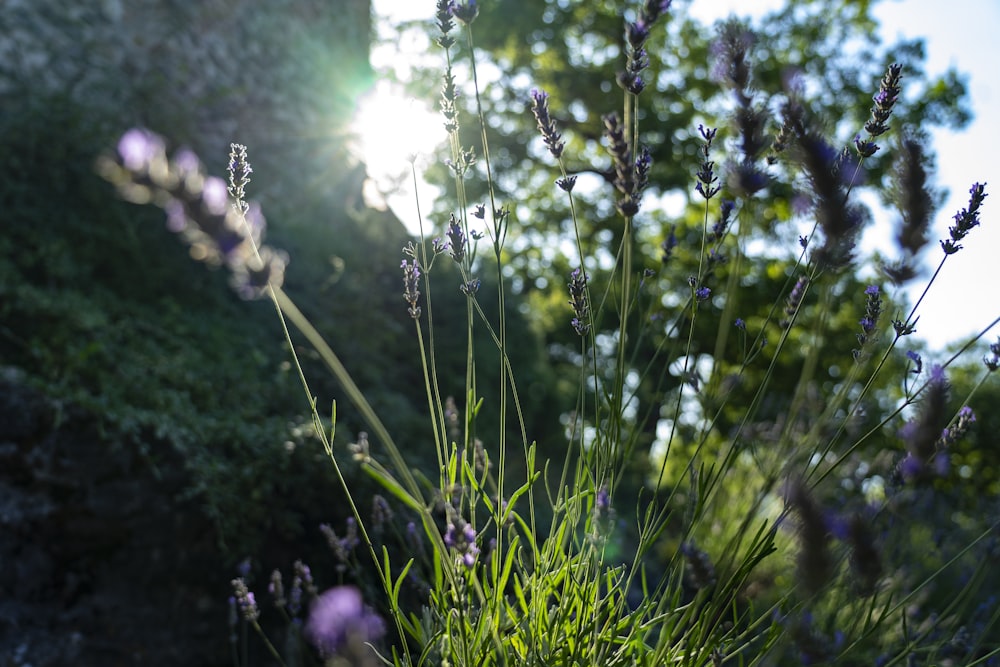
391,130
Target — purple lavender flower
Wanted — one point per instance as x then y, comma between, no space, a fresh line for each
547,126
239,175
245,600
471,287
740,324
449,536
339,618
992,360
466,12
139,148
456,239
965,219
916,205
636,34
869,323
884,100
463,541
578,299
700,572
381,512
668,245
922,435
706,172
794,300
963,421
725,212
411,278
277,589
702,293
918,363
414,538
197,207
445,11
566,184
643,164
215,195
730,50
625,177
603,500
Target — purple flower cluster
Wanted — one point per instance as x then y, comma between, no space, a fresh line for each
700,572
963,422
668,245
547,126
721,226
965,219
462,540
276,587
449,94
466,12
339,619
457,242
869,323
245,601
411,279
706,173
341,546
444,14
603,513
239,176
302,585
992,360
578,299
794,300
636,34
923,434
840,220
885,100
197,207
631,175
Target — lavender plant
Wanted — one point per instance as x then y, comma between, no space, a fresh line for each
571,562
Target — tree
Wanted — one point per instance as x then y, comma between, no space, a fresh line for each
786,94
575,50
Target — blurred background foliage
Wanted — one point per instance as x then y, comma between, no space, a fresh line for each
102,308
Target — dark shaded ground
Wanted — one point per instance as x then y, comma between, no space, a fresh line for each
90,570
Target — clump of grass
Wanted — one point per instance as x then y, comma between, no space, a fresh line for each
479,565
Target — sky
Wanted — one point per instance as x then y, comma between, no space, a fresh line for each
964,34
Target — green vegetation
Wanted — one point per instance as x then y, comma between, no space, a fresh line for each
714,449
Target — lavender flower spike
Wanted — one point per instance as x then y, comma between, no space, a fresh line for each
411,278
965,219
339,619
885,100
578,299
239,176
547,126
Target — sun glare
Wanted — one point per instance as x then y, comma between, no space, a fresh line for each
391,130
